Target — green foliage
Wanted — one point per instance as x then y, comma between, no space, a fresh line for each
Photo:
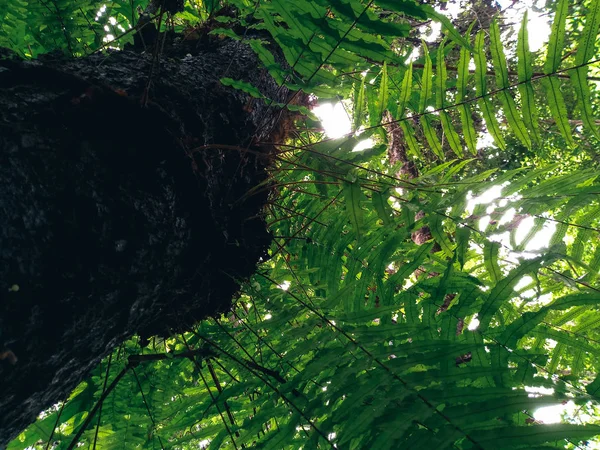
353,333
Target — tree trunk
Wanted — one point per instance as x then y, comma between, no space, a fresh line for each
124,206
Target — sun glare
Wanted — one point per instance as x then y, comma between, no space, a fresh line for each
334,118
554,413
336,123
538,25
285,285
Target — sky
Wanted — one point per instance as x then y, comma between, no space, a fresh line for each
512,12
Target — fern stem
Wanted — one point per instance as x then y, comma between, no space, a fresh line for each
100,409
96,407
147,407
268,383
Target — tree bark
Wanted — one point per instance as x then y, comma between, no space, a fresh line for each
119,212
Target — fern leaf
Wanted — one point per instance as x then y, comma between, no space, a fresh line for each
585,52
587,42
525,72
580,84
425,97
384,211
510,108
439,234
503,289
383,92
468,127
411,140
556,42
484,102
490,254
359,105
558,108
440,100
509,437
452,31
462,245
431,137
405,92
426,81
352,194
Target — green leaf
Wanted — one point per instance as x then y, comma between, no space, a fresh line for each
359,105
426,81
487,109
469,133
436,227
406,269
408,7
502,82
558,108
380,203
405,92
451,134
353,195
351,11
225,32
462,245
268,60
509,437
431,137
383,93
503,290
580,84
594,388
411,140
529,320
556,42
497,407
242,86
440,103
587,42
424,98
567,341
525,72
490,254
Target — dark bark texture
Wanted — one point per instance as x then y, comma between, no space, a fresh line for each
119,212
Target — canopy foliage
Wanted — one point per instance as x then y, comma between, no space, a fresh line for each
396,310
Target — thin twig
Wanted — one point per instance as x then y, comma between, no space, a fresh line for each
269,384
55,425
103,390
147,407
96,407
